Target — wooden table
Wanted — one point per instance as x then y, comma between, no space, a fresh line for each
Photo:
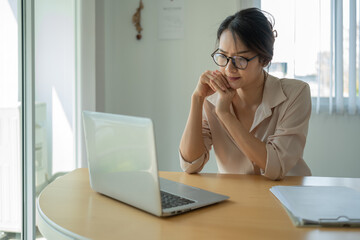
69,209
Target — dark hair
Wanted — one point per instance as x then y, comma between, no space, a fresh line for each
254,29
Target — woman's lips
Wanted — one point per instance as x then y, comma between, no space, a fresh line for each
233,78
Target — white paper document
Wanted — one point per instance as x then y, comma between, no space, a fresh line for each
171,19
320,205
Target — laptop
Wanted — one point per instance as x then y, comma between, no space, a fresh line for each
122,164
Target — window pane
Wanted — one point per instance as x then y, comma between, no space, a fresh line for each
10,122
54,90
302,48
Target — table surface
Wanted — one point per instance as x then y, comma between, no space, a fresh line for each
252,212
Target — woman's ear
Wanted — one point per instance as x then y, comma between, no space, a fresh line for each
264,62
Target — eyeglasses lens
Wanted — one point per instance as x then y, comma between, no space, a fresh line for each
240,62
222,61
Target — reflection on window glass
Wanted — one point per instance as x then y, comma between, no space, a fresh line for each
55,81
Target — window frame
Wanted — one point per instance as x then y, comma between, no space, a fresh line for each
26,75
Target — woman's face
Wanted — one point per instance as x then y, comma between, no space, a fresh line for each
252,75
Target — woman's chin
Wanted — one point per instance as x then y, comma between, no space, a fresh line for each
234,85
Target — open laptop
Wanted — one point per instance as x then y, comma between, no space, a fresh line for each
122,165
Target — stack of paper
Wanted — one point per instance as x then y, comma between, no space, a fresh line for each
320,205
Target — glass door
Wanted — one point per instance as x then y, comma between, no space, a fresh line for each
37,106
10,123
54,91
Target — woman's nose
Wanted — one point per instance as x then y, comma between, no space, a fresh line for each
230,67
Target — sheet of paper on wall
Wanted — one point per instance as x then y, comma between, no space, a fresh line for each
330,206
171,19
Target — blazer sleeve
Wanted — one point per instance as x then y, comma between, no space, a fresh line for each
286,146
197,165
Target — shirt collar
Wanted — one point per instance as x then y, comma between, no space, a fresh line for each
273,95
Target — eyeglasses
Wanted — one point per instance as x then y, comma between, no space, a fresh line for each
222,60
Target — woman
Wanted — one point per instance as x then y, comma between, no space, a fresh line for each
256,123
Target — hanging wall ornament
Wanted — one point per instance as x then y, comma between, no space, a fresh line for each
136,20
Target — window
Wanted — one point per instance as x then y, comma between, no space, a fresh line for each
37,140
317,43
10,124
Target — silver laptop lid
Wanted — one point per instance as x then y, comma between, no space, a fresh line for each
122,159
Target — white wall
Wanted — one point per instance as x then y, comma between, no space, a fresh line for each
86,72
155,78
333,147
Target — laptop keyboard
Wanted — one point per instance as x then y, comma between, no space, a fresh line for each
169,200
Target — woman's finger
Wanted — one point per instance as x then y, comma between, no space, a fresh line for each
223,78
211,77
216,86
208,79
217,78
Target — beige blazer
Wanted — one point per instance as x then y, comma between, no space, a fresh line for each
281,121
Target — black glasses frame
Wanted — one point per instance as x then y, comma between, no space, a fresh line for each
232,60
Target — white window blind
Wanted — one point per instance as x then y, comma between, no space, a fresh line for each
318,42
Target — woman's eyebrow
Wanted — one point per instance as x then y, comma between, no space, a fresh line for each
240,52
